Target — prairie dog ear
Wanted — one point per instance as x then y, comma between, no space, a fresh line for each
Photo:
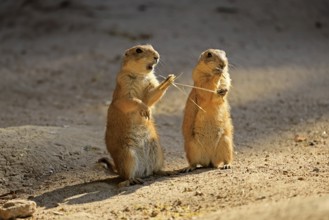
126,52
222,52
202,55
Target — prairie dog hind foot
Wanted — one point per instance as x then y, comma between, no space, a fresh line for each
166,173
187,169
226,167
130,182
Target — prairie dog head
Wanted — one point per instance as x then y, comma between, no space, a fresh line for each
211,62
140,59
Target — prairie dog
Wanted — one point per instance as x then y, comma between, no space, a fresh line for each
131,137
208,132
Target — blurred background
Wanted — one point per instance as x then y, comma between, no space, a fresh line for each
59,58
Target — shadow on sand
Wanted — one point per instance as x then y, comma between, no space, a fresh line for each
99,190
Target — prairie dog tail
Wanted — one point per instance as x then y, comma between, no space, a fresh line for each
110,165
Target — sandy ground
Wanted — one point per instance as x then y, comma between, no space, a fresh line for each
58,65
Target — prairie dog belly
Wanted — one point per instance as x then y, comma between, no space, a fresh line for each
143,146
207,130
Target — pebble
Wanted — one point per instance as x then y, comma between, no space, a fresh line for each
198,193
57,213
299,138
177,202
126,209
316,169
154,213
17,208
187,189
261,198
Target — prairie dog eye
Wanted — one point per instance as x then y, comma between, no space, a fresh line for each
139,50
209,55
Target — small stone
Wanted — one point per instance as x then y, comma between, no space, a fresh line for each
126,209
311,143
177,202
154,213
187,189
90,148
299,138
17,208
198,193
261,198
301,178
316,169
57,213
324,134
285,172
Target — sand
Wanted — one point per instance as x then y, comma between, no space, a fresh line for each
58,65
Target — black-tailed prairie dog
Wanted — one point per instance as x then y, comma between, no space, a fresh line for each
131,137
207,124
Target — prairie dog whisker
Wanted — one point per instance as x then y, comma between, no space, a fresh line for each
176,85
195,87
189,98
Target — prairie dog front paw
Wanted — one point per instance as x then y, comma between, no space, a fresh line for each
167,82
171,78
145,111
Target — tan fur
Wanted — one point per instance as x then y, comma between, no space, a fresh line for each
208,132
131,137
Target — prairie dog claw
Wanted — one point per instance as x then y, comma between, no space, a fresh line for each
165,84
